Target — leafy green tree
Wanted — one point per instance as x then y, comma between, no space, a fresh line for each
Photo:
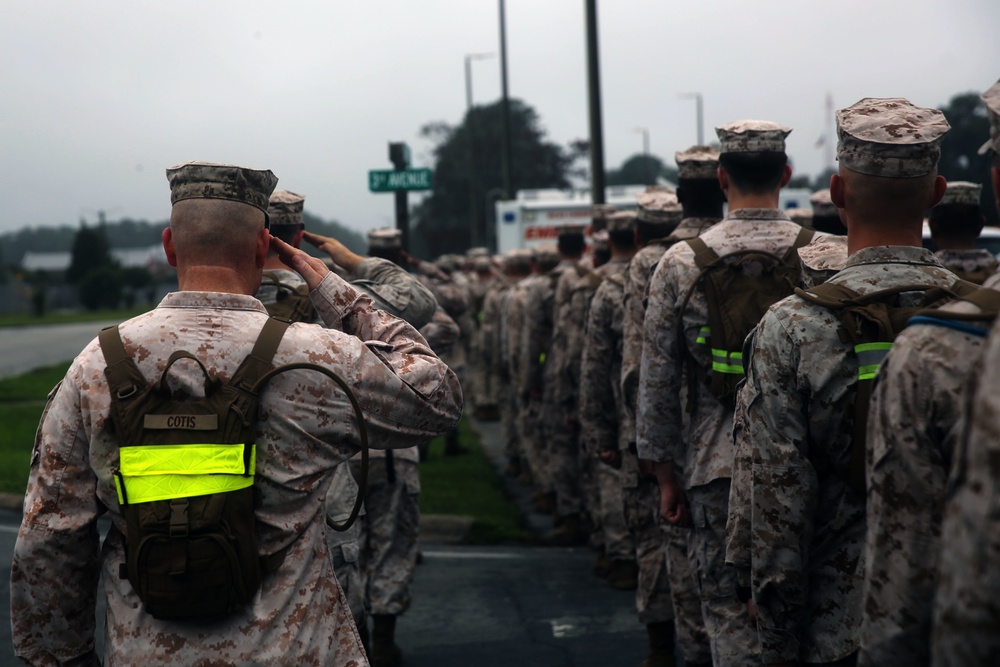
90,251
101,288
960,161
134,279
641,170
442,220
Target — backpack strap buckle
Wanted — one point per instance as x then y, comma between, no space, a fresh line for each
179,524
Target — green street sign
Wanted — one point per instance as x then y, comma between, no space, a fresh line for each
391,180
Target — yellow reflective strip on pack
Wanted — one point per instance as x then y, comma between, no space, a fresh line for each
541,358
867,347
867,372
146,489
195,459
118,489
703,334
731,369
701,341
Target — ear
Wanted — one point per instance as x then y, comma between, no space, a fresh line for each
168,247
263,243
723,179
940,185
837,190
787,175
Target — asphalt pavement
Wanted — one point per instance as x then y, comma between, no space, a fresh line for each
502,606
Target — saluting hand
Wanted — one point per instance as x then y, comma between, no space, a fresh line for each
337,251
312,269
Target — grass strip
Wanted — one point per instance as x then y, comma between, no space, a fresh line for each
469,484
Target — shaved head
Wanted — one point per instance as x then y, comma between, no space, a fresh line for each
888,199
215,232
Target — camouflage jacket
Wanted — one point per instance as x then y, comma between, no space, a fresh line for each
971,264
794,510
306,429
536,338
915,425
967,599
640,268
700,442
601,405
569,330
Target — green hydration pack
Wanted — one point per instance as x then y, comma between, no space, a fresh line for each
291,303
871,322
739,287
185,479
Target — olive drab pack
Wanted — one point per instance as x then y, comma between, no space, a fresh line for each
739,287
291,302
871,322
185,479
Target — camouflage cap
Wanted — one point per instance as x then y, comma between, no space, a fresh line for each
890,137
518,259
801,216
600,239
752,136
285,208
621,221
599,216
387,238
571,229
962,192
658,205
822,204
207,180
449,263
478,251
482,264
991,98
697,162
547,255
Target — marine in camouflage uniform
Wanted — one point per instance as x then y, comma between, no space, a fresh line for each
662,221
967,600
481,282
299,614
955,225
536,377
494,349
600,405
511,316
559,401
681,426
796,510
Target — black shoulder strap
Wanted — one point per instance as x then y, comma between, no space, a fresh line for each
703,255
803,238
259,362
124,377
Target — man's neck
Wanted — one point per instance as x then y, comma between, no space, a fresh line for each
752,200
216,279
954,244
862,233
274,263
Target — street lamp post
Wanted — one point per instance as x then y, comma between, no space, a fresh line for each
701,114
474,226
645,153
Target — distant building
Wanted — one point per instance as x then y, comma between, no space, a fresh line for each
56,264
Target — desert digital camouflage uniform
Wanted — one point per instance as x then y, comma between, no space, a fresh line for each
512,320
536,375
489,343
451,298
299,614
482,281
966,263
668,586
808,525
793,510
966,607
601,407
915,427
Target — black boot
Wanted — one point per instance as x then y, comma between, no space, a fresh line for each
385,653
661,646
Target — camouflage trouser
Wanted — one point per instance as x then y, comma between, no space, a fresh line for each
566,473
389,534
344,548
732,635
534,446
508,421
690,621
618,542
652,597
590,489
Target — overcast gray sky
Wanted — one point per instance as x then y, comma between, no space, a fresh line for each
99,97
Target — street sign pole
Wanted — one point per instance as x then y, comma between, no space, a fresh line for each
400,181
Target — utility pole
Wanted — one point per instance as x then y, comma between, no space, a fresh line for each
474,226
594,99
505,153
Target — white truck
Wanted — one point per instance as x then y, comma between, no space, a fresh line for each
534,217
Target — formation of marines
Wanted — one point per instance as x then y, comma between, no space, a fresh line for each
739,518
777,426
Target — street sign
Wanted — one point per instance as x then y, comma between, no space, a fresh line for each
392,180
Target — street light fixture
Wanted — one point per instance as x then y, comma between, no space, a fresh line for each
701,114
647,167
475,228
